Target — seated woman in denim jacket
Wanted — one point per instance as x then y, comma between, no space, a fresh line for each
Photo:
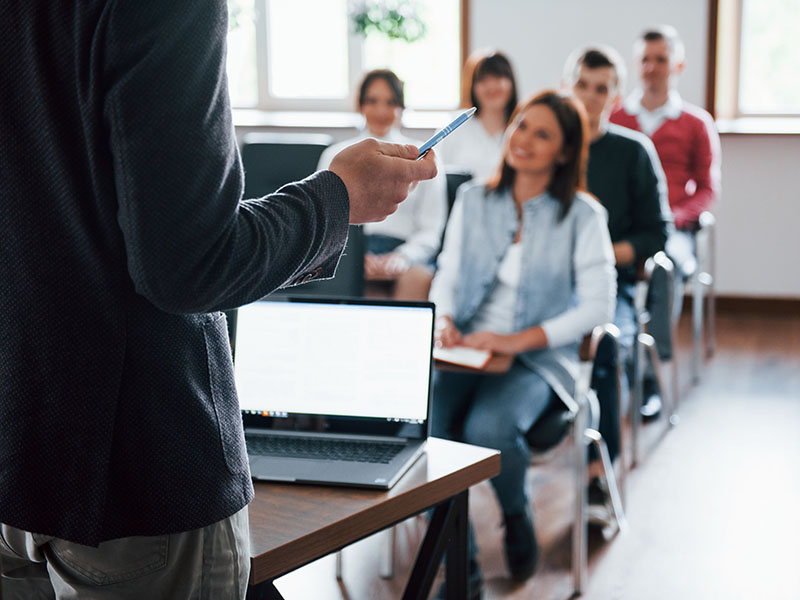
527,269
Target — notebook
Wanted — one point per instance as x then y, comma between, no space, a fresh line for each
334,391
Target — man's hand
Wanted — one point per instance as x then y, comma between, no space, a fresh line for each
378,176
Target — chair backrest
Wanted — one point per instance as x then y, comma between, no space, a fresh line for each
272,160
599,346
349,279
454,180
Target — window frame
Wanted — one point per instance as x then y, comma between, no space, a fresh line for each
723,85
267,102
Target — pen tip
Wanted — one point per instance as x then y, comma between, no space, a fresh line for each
472,110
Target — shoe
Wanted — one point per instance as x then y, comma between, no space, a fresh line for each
599,510
474,583
651,407
521,548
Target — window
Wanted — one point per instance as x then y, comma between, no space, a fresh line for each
757,58
305,54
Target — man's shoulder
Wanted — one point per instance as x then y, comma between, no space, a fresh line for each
621,116
626,137
696,115
621,143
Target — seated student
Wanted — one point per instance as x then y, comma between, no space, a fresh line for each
488,84
400,249
688,145
526,270
624,173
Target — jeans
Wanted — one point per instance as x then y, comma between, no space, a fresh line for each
208,563
493,411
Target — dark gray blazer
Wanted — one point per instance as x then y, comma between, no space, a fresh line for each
122,234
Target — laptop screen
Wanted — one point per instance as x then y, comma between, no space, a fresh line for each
335,365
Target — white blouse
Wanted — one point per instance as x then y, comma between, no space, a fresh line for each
420,219
471,148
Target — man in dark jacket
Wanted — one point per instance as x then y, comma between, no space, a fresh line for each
122,236
624,173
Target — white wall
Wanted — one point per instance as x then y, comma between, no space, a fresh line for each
758,244
538,35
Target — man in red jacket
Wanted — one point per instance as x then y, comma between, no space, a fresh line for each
687,144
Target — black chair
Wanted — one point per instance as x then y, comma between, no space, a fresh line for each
272,160
454,180
349,279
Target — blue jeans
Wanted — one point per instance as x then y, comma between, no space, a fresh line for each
493,411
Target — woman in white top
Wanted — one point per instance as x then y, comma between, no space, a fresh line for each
488,84
401,249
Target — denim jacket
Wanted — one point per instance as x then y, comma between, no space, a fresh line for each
547,286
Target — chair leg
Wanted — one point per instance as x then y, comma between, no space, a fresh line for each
659,367
386,567
594,437
579,526
642,342
339,565
698,292
387,553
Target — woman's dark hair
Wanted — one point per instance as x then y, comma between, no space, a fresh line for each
392,80
478,65
569,176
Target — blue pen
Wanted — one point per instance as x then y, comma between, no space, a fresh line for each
445,131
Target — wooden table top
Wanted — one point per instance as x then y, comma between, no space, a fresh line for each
294,524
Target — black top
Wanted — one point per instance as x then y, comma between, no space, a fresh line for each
626,176
121,235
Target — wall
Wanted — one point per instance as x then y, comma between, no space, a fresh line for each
758,244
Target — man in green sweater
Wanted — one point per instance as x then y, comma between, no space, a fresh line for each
624,173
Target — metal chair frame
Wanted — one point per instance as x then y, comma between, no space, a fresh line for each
584,411
703,297
645,346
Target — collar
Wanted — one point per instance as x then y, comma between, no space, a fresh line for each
394,136
671,109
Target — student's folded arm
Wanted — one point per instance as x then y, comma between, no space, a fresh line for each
191,245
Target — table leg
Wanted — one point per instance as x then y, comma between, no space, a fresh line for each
265,590
447,531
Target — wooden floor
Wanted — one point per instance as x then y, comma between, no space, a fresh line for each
713,510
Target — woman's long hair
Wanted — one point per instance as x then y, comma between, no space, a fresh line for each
479,64
569,176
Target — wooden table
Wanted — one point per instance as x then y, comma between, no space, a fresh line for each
292,525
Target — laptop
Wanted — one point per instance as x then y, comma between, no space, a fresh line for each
333,390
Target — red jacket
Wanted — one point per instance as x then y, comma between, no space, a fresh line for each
689,149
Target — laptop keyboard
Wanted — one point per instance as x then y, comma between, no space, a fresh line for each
324,449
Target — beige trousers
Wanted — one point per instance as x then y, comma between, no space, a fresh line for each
208,563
